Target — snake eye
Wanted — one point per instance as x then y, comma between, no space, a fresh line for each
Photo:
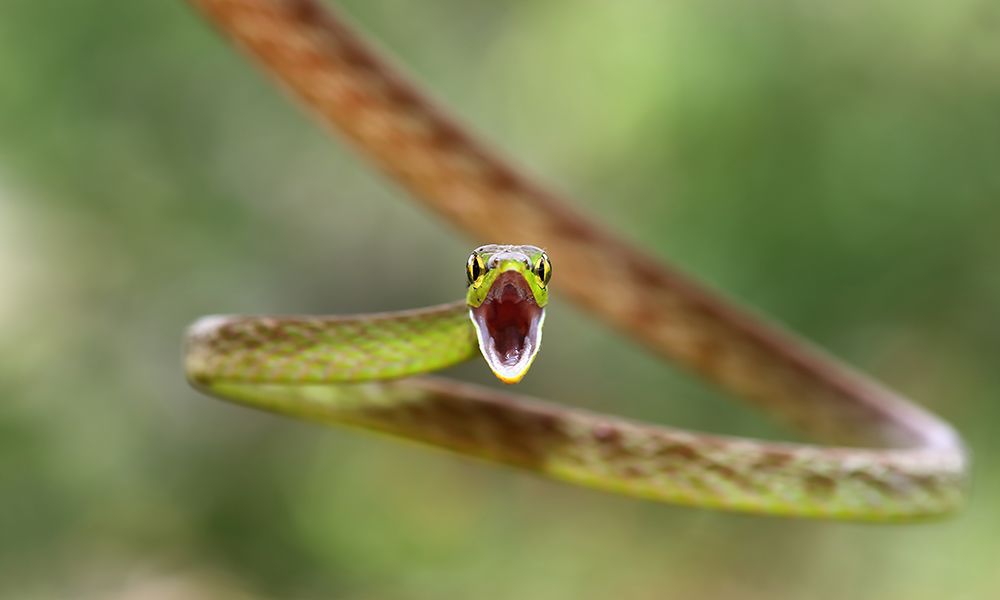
543,269
475,269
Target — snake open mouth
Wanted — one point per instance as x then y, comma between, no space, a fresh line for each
509,326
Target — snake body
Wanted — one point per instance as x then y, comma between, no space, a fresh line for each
889,460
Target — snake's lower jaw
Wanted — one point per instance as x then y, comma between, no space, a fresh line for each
509,327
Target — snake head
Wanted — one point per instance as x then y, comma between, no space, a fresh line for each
508,291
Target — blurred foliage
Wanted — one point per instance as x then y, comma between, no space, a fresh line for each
832,164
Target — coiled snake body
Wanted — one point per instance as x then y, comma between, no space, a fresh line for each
890,459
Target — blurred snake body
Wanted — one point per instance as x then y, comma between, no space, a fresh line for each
888,459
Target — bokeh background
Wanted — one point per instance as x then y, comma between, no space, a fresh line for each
833,164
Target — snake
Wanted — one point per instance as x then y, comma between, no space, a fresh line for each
874,455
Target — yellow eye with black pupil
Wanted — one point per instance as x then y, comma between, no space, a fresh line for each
543,269
475,270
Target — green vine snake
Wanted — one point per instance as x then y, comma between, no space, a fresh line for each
889,460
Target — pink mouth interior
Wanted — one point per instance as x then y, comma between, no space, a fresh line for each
510,317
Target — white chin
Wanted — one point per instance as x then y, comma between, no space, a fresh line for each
509,367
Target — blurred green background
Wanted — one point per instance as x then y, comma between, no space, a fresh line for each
833,164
